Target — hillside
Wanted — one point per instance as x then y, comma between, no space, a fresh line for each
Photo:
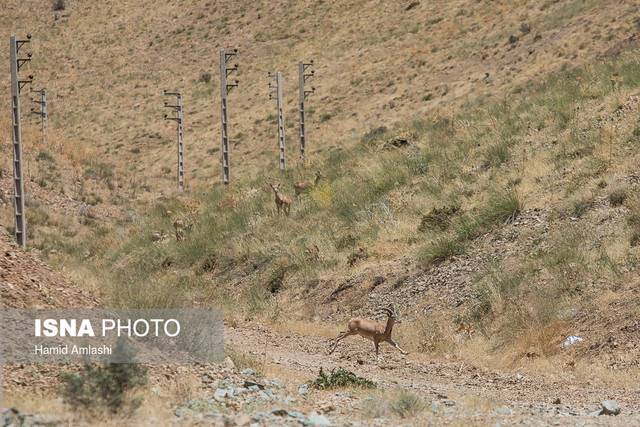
392,64
479,171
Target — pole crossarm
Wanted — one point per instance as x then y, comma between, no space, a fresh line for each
178,117
225,87
278,90
16,63
304,75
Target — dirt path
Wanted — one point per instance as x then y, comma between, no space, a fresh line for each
463,391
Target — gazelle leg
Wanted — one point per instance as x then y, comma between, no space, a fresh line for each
393,343
376,344
339,338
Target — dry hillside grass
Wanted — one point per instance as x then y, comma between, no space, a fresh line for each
506,110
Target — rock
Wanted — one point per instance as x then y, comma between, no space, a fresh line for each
228,363
297,415
609,407
276,382
10,417
317,420
262,395
220,394
248,372
325,409
303,389
503,410
280,412
243,420
251,385
556,401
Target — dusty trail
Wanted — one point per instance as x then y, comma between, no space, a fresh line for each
475,392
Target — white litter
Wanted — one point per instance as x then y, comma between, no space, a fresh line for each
571,340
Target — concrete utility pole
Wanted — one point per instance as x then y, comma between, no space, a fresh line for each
42,112
303,76
178,117
279,107
225,88
16,64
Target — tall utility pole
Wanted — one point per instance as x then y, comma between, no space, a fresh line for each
178,117
16,64
42,112
225,88
303,76
279,106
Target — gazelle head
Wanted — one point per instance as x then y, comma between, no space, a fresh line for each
391,312
275,187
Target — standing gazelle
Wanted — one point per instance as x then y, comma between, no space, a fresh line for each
304,186
282,201
370,329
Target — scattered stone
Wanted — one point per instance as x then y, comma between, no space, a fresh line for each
297,415
228,363
9,417
248,372
317,420
220,394
243,420
325,409
609,407
251,385
503,410
303,389
276,382
280,412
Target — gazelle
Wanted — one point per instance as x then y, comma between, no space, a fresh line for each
282,201
370,329
304,186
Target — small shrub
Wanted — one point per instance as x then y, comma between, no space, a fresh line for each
325,117
617,197
581,206
340,378
374,134
276,279
440,250
407,405
346,241
108,386
205,78
496,155
44,155
59,5
439,218
502,208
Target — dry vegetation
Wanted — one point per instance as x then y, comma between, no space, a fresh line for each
492,139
